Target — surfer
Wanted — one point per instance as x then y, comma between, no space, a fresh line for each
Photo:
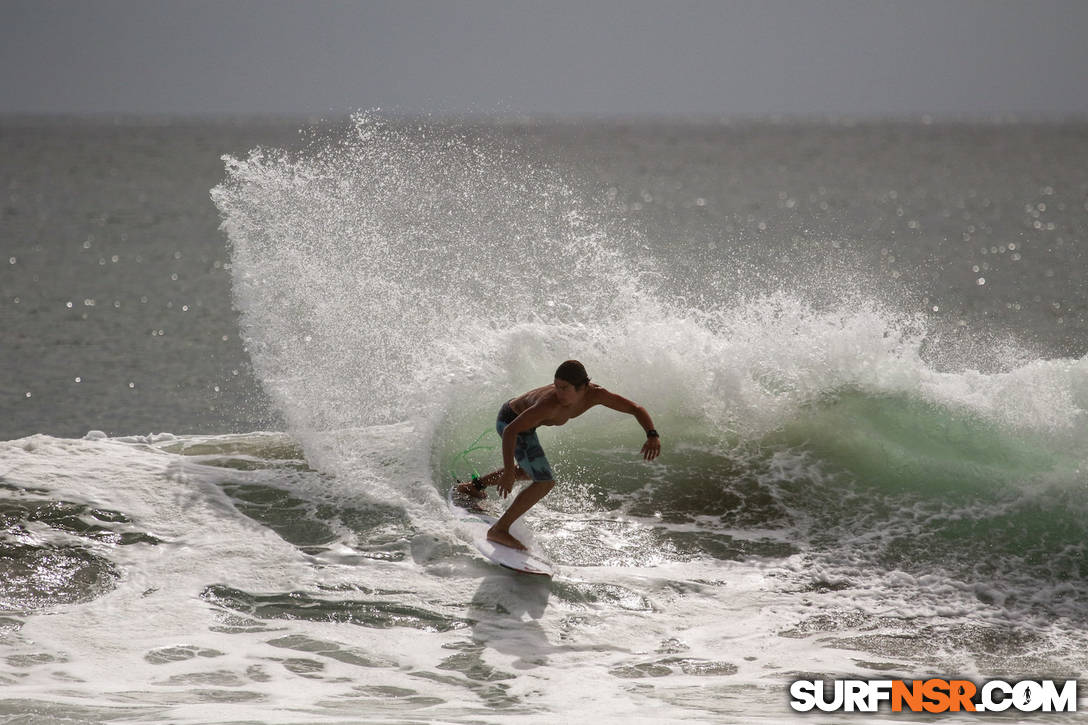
570,395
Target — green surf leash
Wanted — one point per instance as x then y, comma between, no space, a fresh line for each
474,446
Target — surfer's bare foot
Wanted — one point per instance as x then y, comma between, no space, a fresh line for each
499,536
468,489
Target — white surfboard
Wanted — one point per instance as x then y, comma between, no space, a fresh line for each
478,521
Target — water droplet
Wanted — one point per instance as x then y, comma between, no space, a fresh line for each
79,379
185,308
981,281
174,276
11,260
68,304
225,338
28,393
115,258
131,385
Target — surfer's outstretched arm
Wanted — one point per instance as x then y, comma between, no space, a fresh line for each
476,488
651,449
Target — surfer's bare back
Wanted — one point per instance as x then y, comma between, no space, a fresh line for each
570,395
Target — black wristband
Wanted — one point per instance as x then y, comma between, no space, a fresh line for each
652,434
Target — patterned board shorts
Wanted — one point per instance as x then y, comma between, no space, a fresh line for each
527,449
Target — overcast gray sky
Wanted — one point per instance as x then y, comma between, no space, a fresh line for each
742,57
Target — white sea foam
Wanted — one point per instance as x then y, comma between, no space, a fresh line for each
400,281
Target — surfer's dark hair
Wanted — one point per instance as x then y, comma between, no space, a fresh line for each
573,372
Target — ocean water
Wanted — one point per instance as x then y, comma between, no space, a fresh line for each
241,359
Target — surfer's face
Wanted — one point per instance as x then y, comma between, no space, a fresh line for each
566,392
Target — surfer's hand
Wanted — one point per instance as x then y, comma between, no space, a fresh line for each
506,483
651,449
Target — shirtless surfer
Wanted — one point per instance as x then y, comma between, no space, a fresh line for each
568,397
